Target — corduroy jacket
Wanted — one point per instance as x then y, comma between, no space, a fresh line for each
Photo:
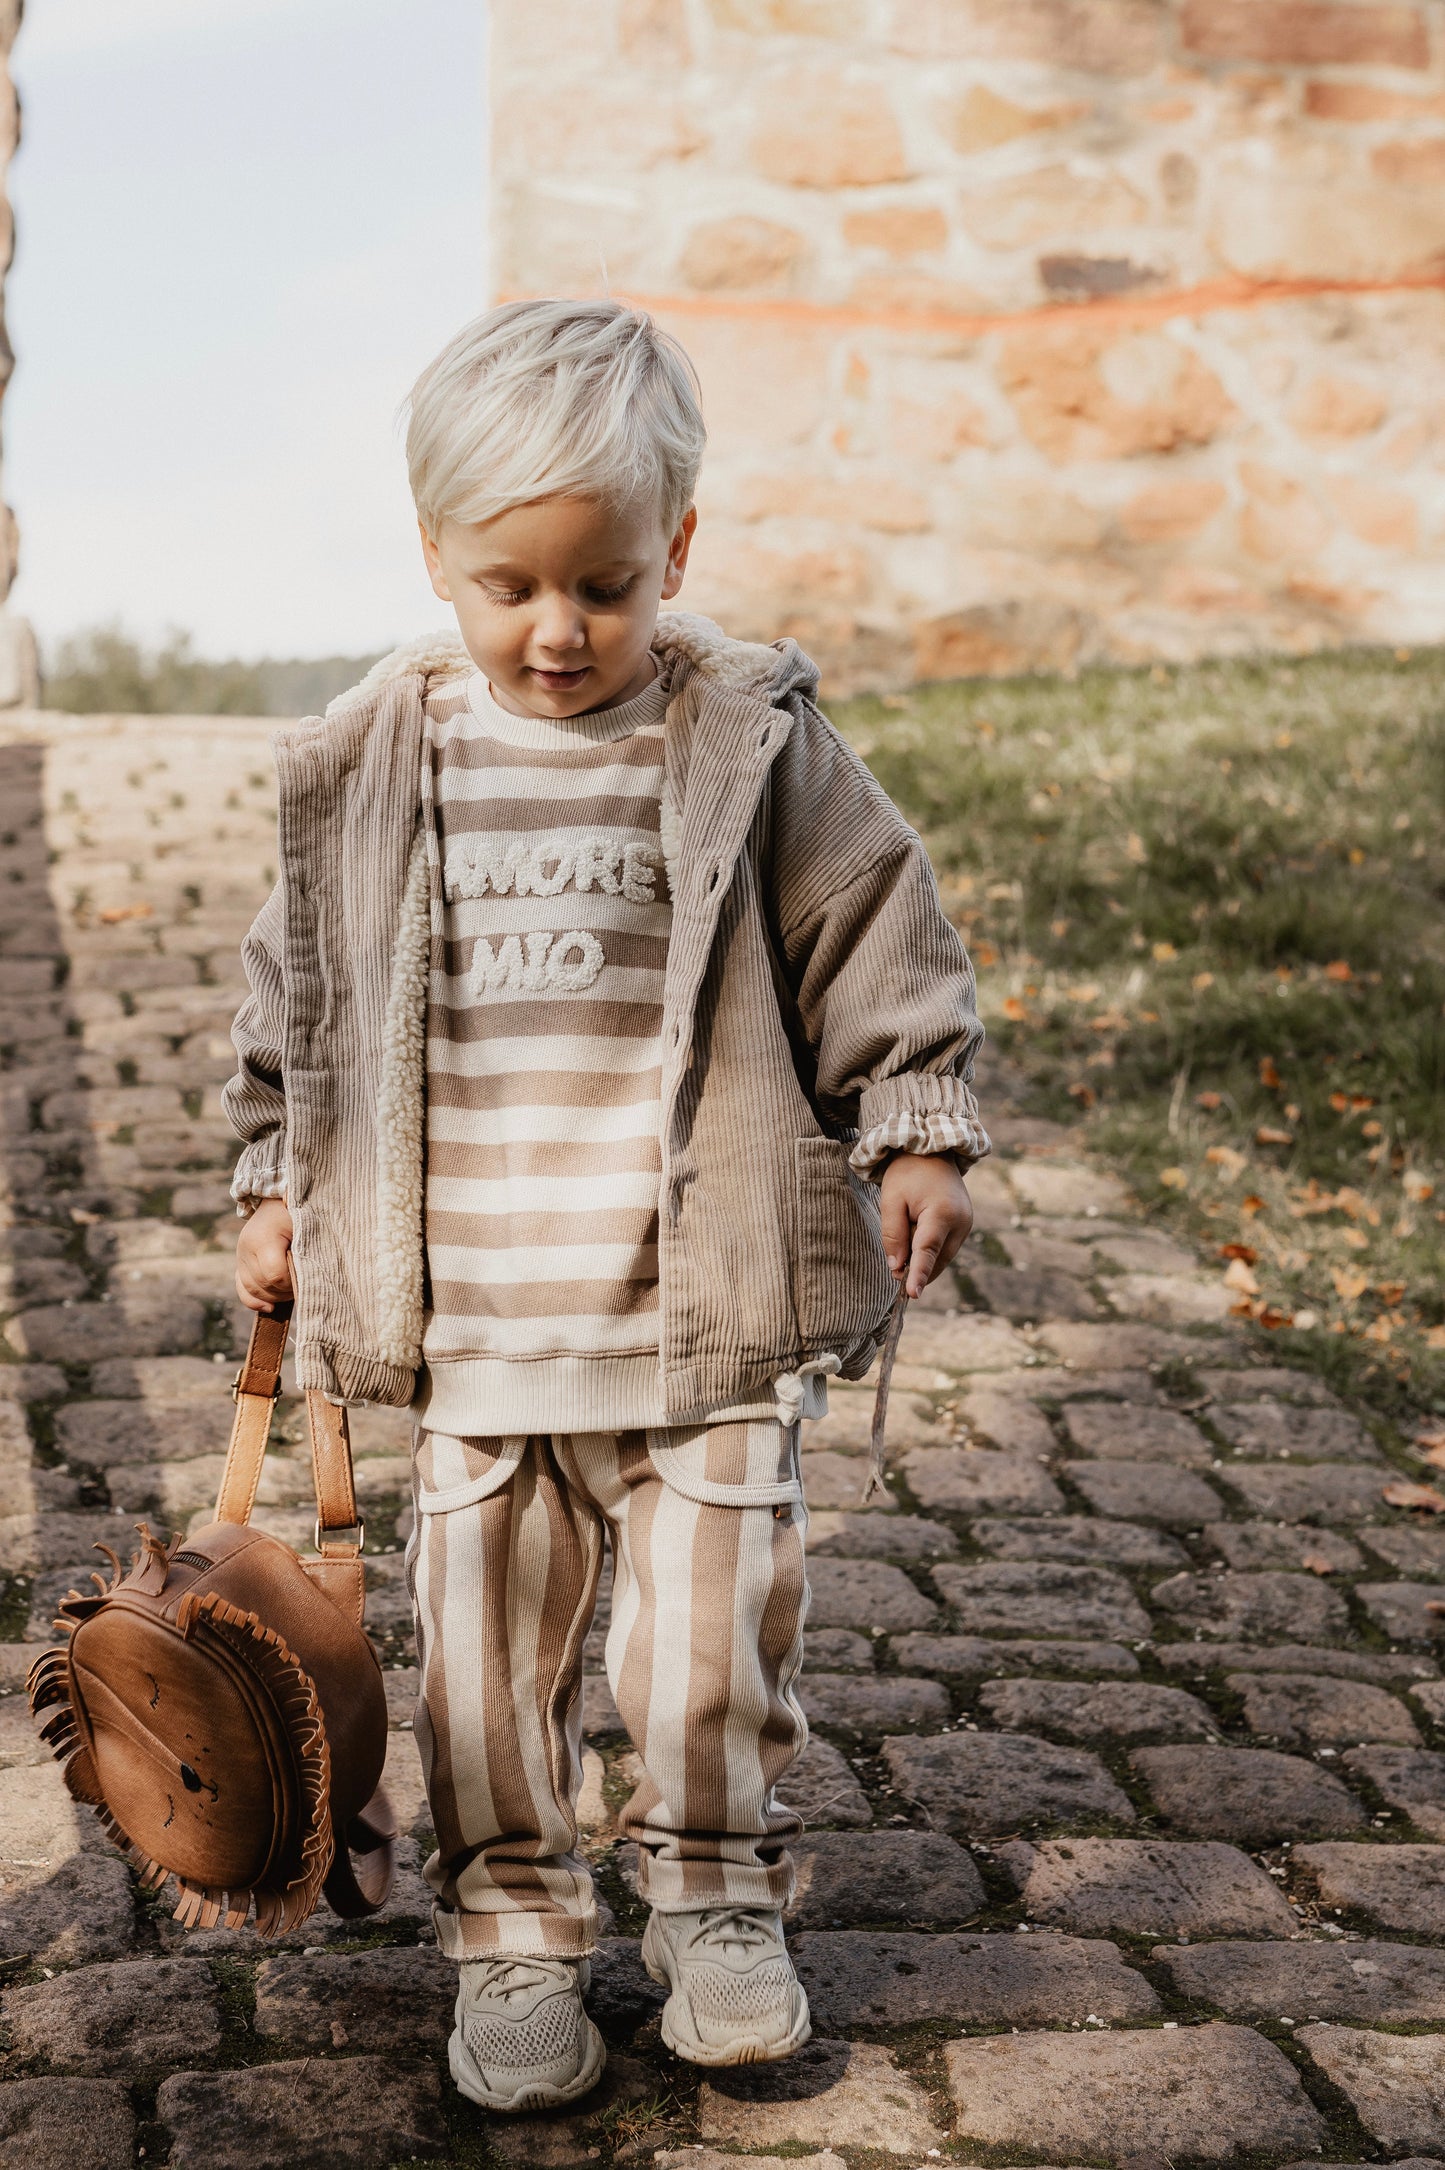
814,988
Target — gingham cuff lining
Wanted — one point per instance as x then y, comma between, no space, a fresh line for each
909,1132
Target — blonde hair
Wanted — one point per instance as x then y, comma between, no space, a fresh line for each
549,399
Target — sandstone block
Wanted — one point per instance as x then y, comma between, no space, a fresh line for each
104,2021
1400,1887
961,1342
1081,395
1205,2092
1118,1433
1165,512
1251,1546
83,1333
1024,1297
1377,1665
1078,1540
867,1593
970,1480
1403,1609
67,2125
975,1657
1047,205
1260,1607
1095,37
1146,1887
1267,1428
730,255
1341,1492
1332,408
872,1536
1384,1985
898,229
1149,1491
1395,2083
978,1784
1246,1795
67,1914
1410,1549
1000,1598
980,120
395,2001
849,2092
113,1434
877,1979
847,1878
1412,1780
1110,1710
1306,33
824,1790
1056,1188
1300,1712
362,2113
873,1704
1128,1348
828,128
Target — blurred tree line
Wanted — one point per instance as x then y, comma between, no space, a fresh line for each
103,671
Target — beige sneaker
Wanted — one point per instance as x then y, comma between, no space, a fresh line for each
735,1998
522,2040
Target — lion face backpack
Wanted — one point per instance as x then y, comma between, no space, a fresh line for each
220,1706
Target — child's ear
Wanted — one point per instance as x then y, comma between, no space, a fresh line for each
677,554
432,556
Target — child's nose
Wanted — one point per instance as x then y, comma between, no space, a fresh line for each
560,626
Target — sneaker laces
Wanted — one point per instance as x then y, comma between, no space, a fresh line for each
721,1929
505,1979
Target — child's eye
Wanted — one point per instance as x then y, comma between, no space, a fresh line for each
507,595
610,595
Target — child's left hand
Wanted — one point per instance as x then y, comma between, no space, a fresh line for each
927,1213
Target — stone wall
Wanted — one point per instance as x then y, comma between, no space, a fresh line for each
19,676
1031,331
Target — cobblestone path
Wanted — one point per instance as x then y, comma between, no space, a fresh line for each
1127,1829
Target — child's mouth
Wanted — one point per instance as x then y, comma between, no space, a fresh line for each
560,681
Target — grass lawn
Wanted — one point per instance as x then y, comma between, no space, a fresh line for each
1207,906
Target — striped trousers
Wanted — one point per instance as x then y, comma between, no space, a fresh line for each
709,1593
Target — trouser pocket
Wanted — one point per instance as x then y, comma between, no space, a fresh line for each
730,1465
453,1473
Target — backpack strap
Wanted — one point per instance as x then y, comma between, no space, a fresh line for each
339,1531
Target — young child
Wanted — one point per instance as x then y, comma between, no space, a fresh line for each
605,1067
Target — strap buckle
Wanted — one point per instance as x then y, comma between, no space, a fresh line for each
275,1394
347,1532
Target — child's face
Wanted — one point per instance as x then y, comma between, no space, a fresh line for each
557,600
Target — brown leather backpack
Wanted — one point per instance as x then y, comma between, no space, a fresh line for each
220,1706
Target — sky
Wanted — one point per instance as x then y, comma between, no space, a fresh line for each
243,227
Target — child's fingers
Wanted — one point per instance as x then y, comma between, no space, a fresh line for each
896,1230
932,1232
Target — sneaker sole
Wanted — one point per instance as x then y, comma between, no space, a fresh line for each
527,2094
745,2049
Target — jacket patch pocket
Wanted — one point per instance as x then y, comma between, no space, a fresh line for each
843,1289
453,1473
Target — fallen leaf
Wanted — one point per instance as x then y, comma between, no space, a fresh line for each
1348,1284
1251,1204
1355,1238
1136,849
1087,993
1317,1563
1359,1102
1014,1010
1238,1250
1400,1492
1058,928
1148,1017
1267,1136
1434,1605
1291,1112
1225,1157
1201,980
1209,1101
1435,1456
1237,1275
1381,1330
1174,1179
1337,969
1390,1292
1340,1102
1417,1187
1271,1318
1163,952
1268,1074
1084,1094
1429,1435
1306,1321
984,955
1435,1337
1372,1130
113,915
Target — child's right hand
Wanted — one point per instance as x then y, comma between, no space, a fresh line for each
263,1257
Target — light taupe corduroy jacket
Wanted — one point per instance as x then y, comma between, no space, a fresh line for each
813,988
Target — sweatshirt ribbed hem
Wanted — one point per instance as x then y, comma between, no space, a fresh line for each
490,1398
